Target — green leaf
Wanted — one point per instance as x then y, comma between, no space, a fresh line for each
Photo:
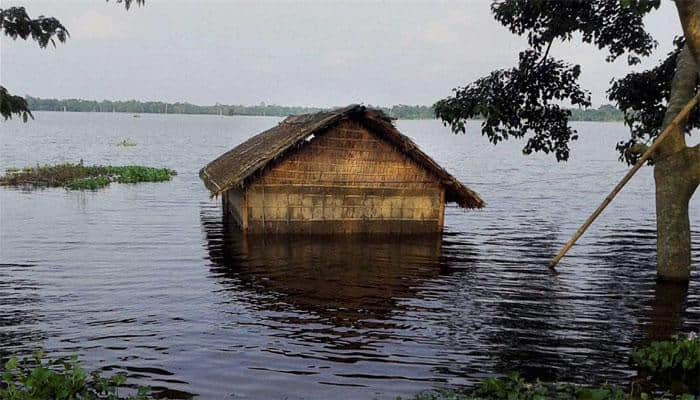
594,394
11,364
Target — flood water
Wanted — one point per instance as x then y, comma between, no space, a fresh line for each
147,280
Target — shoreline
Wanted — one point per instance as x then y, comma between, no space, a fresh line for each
273,116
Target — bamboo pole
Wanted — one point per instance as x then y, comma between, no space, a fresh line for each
675,123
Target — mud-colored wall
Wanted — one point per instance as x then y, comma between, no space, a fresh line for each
233,202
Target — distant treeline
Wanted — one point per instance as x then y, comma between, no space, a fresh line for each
603,113
606,112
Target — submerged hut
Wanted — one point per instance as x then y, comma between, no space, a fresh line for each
343,171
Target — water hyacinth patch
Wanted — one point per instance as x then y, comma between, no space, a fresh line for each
62,379
88,183
135,174
681,354
674,362
514,387
81,177
35,378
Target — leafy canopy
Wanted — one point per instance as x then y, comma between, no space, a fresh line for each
526,100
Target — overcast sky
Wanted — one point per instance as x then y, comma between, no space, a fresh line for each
291,53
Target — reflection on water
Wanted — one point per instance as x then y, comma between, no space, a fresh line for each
344,280
667,310
148,280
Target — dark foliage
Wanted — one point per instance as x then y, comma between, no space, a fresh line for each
520,102
643,97
10,104
15,22
525,101
128,3
615,25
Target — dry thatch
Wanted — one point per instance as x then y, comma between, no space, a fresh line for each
239,166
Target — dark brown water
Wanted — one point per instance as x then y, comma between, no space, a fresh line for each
147,279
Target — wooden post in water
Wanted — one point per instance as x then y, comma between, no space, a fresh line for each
647,154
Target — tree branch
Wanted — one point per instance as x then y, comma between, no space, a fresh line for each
546,52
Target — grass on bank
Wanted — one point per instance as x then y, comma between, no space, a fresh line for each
82,177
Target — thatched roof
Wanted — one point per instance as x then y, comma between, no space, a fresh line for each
239,166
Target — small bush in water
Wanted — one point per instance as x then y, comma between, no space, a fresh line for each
34,379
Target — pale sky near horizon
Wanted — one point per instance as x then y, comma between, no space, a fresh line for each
308,53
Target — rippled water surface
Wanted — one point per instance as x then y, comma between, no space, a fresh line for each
147,280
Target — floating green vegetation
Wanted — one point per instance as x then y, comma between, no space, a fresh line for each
136,174
88,183
672,370
81,177
127,143
674,362
64,379
678,354
34,379
514,387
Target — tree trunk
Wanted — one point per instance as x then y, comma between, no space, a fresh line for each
676,165
675,185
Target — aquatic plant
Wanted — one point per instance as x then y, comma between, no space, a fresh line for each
680,354
62,379
88,183
674,362
65,379
514,387
127,143
80,177
136,173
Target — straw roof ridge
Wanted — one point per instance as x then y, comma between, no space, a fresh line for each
237,167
